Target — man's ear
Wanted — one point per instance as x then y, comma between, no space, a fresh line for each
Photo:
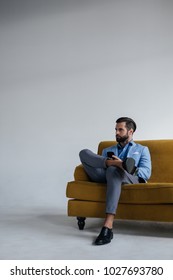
131,131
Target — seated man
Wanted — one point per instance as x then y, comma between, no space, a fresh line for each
113,171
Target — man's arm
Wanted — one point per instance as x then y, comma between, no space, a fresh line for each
144,165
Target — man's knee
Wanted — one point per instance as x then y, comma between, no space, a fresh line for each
83,153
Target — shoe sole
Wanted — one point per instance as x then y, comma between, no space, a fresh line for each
129,165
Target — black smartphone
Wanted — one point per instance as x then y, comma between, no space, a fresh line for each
110,154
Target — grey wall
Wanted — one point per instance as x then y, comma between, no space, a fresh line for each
68,69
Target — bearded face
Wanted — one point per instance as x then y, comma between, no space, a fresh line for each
123,135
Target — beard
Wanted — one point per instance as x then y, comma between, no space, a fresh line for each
122,139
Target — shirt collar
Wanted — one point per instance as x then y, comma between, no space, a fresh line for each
131,143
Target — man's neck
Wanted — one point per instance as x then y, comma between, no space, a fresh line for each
123,144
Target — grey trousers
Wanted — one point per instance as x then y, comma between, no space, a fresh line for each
114,177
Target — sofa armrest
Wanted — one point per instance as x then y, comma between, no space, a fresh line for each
80,174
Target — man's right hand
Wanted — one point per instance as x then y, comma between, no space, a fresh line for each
115,161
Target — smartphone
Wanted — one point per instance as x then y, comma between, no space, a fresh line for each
110,154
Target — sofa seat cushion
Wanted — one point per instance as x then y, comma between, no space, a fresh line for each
150,193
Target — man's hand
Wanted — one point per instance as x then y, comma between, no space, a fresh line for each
115,161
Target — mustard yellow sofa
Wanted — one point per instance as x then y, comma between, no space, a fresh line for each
152,201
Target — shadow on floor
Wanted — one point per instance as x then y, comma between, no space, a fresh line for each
141,228
59,223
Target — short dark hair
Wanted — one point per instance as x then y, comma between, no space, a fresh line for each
129,122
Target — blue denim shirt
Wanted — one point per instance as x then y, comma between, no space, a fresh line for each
140,154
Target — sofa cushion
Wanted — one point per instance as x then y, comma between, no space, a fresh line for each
150,193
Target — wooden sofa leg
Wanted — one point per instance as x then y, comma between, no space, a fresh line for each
81,222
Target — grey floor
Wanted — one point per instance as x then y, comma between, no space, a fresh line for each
48,234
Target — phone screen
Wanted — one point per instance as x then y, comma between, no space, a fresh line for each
110,154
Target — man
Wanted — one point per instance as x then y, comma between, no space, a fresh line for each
113,171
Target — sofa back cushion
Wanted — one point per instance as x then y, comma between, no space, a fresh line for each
161,155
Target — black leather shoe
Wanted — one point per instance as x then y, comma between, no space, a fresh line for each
104,237
129,165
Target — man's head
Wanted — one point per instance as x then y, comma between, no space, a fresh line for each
125,127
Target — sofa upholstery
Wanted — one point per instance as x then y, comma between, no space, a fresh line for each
152,201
